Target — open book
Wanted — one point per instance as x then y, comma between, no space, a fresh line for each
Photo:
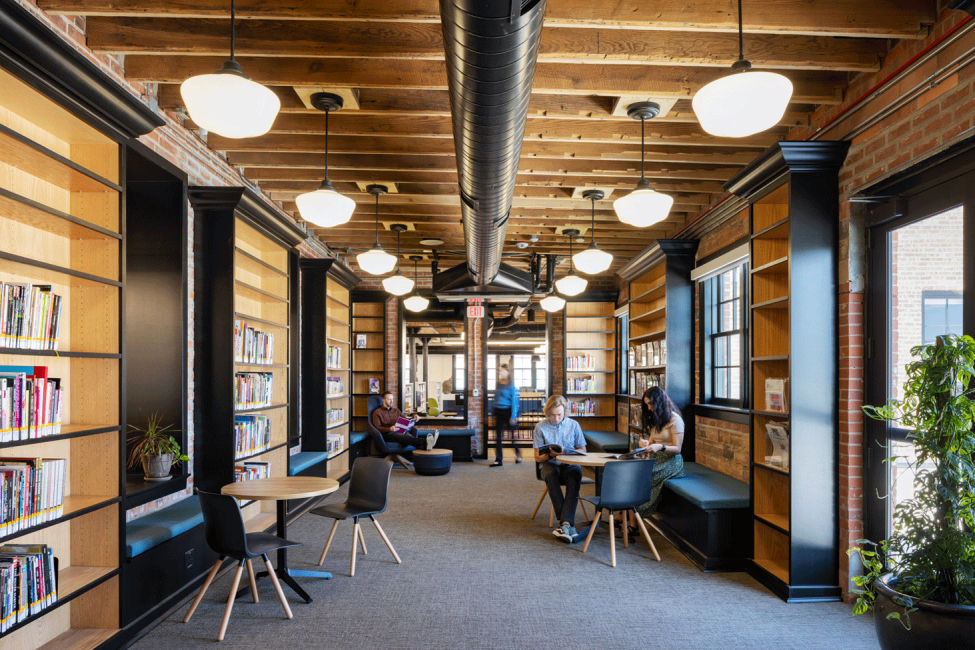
636,453
559,450
402,424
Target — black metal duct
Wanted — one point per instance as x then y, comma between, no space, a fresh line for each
437,312
491,47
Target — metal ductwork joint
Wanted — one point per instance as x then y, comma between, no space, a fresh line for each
491,47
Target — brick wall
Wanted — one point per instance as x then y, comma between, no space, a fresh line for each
723,446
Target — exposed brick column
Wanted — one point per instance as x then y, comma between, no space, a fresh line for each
850,426
475,379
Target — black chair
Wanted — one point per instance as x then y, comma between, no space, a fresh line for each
626,484
368,489
381,448
224,530
551,511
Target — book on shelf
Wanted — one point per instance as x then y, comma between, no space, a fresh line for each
30,316
580,363
360,341
250,470
251,345
586,384
30,403
636,416
776,395
631,355
252,434
663,352
334,387
777,441
253,389
334,359
374,386
31,492
585,407
334,416
28,582
334,443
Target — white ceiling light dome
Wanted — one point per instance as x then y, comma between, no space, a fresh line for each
643,206
228,103
552,302
325,207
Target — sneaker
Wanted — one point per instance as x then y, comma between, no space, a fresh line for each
566,532
432,439
496,463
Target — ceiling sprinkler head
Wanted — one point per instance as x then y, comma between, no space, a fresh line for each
521,244
533,238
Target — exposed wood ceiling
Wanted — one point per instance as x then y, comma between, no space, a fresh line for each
594,55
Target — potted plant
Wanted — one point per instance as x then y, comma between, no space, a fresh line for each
155,449
920,582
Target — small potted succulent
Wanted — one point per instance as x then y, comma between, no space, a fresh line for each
155,449
920,582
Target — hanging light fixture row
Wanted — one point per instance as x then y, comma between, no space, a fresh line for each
227,102
325,207
643,206
375,260
744,102
416,302
398,284
572,284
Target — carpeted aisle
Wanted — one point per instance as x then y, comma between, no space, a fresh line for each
477,573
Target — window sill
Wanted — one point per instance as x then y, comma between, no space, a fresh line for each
724,413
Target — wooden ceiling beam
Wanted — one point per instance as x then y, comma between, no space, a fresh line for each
400,40
874,18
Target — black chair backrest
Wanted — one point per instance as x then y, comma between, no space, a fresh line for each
626,483
369,484
374,402
223,525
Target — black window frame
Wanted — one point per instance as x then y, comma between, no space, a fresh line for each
709,314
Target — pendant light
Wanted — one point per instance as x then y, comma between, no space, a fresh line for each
398,284
744,102
551,302
643,206
416,302
375,260
572,284
325,207
592,260
227,102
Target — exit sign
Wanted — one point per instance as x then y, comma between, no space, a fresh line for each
475,311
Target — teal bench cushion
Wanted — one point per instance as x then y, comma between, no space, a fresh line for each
165,523
611,442
304,459
708,489
356,437
448,433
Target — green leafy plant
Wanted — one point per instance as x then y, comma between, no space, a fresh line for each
931,551
154,440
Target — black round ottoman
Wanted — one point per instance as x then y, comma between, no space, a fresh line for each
435,462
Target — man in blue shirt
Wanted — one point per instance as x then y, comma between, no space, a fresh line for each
506,399
555,429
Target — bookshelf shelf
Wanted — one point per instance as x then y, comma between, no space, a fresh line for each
590,341
245,290
273,448
74,506
255,264
264,321
67,431
368,363
44,218
44,273
32,158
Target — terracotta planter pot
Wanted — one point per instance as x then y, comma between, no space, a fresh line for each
934,625
157,467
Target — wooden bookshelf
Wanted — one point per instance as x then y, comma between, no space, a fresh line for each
590,364
793,314
326,351
246,274
661,340
369,362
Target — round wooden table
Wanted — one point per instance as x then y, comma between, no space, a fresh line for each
596,460
280,489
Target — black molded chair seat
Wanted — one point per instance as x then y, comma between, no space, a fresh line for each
225,534
626,484
393,450
368,490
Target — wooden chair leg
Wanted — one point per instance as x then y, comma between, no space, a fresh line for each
626,529
584,513
646,535
592,529
362,542
612,540
551,516
253,580
277,587
540,500
396,458
328,542
355,539
203,589
230,601
382,534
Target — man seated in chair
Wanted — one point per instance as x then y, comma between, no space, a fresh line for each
556,429
384,419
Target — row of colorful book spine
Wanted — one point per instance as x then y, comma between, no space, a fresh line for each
334,443
334,386
251,470
252,435
28,582
584,362
334,416
253,389
30,316
31,492
581,384
585,407
334,359
641,381
30,403
252,345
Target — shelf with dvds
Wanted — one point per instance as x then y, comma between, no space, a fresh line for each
62,349
326,349
590,363
792,194
660,351
246,324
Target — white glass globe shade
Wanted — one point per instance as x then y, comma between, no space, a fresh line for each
552,303
398,285
376,261
230,104
643,207
416,303
325,207
571,285
592,260
742,103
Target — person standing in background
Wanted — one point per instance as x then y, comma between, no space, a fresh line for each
506,399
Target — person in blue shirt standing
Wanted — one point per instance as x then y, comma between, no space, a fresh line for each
556,429
505,413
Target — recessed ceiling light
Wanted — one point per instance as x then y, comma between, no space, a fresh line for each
432,241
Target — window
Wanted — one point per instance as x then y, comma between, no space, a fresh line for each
460,374
623,352
722,336
492,371
941,314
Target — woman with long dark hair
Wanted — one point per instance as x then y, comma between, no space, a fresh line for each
664,427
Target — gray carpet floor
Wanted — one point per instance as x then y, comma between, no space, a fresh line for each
478,573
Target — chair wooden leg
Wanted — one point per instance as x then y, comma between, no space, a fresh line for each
592,529
355,539
646,535
253,580
230,601
584,513
539,504
551,516
328,542
203,589
362,542
277,587
396,458
626,529
389,545
612,540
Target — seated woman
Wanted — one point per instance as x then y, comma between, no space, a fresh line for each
662,423
556,429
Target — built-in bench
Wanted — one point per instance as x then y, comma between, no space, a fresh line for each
165,523
607,442
456,440
305,460
706,515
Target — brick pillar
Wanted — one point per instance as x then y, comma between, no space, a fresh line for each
475,379
851,427
392,345
557,325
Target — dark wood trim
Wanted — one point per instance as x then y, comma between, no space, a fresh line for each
787,157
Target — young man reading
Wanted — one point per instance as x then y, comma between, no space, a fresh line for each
384,418
556,429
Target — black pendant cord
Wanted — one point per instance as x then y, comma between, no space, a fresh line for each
741,46
326,147
592,228
643,146
397,240
377,221
572,270
233,12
